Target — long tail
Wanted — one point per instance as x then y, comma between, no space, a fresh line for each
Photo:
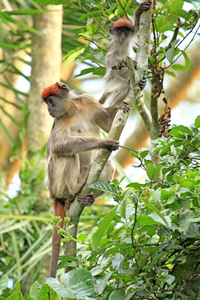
59,211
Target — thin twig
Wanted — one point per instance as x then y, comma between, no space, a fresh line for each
184,48
123,9
85,10
135,220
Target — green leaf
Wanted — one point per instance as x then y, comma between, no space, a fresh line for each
144,153
101,282
170,53
176,5
155,210
178,67
85,35
47,293
150,170
3,283
105,187
15,21
92,13
79,281
52,2
179,131
59,289
117,261
11,46
96,71
72,55
117,295
147,220
122,205
157,170
103,225
197,122
35,290
166,27
17,294
81,238
170,73
187,61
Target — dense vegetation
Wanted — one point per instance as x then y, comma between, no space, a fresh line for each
147,245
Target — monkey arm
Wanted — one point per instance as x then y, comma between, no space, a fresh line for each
105,117
144,6
79,144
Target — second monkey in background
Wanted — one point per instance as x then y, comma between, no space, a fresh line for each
121,45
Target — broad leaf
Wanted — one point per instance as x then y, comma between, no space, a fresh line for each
197,122
3,283
103,225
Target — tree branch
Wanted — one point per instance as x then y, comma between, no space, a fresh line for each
142,63
118,124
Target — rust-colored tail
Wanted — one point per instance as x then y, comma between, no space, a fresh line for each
59,211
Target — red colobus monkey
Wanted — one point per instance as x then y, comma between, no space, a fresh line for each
117,78
72,148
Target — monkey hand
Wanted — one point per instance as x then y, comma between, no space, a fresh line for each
144,6
142,83
111,144
86,200
118,66
124,106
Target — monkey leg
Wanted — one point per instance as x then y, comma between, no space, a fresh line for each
86,200
76,184
106,176
103,98
59,211
84,171
119,95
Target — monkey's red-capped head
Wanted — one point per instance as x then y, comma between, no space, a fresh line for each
122,30
54,89
121,23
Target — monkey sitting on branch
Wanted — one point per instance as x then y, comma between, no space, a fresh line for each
117,78
72,148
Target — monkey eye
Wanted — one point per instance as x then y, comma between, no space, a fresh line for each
64,87
50,101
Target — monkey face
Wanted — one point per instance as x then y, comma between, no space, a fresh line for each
122,33
54,108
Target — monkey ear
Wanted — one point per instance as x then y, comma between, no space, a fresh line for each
111,28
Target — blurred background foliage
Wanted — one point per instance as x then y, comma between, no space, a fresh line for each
25,210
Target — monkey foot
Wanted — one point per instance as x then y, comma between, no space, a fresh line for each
125,106
86,200
118,66
142,83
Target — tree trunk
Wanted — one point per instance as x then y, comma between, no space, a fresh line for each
46,64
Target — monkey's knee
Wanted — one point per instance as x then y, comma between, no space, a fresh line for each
86,200
108,172
85,170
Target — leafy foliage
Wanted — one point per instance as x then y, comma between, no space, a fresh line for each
96,17
145,247
148,245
